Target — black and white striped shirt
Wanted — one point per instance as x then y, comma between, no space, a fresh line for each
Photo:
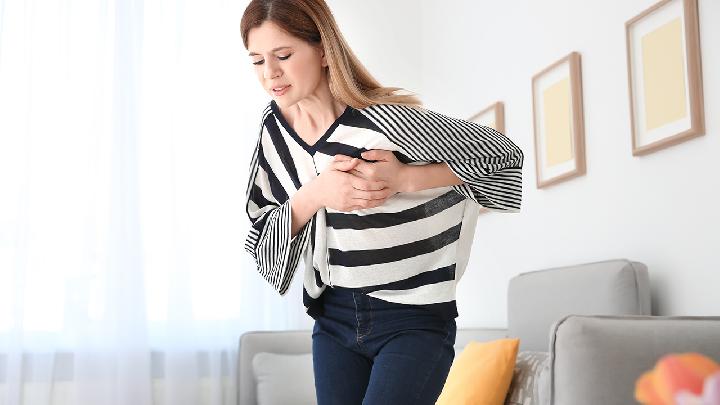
414,248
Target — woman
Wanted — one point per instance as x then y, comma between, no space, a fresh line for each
377,195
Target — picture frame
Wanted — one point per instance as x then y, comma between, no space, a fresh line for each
492,116
664,76
558,125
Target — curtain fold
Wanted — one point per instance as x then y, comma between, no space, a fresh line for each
126,130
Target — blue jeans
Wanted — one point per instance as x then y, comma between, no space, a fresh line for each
371,352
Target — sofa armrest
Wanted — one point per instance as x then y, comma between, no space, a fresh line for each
251,343
597,359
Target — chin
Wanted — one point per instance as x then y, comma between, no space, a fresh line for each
284,102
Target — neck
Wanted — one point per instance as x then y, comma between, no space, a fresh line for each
316,111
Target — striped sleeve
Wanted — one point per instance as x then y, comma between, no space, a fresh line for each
487,161
269,240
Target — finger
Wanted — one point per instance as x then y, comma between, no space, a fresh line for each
375,154
363,204
368,185
370,195
340,157
357,174
346,165
360,166
368,169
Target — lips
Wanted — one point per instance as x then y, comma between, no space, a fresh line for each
279,91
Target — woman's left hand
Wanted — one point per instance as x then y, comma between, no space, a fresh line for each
387,169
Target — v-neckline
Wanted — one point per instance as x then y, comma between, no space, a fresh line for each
311,149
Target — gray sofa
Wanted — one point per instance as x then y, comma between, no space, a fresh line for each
585,332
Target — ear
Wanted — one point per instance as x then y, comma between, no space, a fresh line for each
323,59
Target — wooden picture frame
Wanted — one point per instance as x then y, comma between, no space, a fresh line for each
559,133
664,75
492,116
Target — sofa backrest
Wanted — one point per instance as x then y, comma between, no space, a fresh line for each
538,299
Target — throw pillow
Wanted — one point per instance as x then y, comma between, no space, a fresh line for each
526,386
481,374
284,379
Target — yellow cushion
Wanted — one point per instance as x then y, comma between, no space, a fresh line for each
481,374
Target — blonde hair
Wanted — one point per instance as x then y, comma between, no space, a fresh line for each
313,22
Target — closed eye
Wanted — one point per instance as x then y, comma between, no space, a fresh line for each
260,62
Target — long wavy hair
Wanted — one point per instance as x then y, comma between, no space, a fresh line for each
313,22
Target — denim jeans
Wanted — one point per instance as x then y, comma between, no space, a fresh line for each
371,352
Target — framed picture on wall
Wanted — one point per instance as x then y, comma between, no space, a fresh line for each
492,116
664,76
558,121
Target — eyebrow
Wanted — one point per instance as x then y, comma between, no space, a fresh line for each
274,49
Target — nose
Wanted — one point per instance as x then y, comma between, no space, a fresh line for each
271,70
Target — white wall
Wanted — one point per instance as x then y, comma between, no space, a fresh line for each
660,209
385,36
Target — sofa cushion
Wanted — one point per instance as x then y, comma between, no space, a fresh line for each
284,379
530,379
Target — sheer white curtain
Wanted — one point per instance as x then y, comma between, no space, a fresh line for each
126,128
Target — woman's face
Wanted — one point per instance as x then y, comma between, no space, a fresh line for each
282,60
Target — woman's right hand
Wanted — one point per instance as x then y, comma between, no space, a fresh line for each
342,191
